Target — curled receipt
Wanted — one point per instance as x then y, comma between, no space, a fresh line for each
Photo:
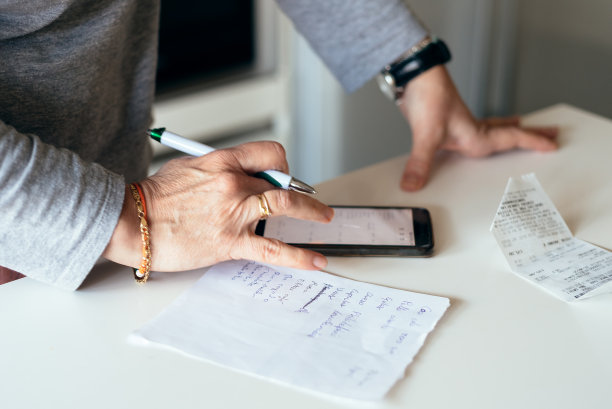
540,247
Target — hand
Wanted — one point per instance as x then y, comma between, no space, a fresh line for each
440,120
204,210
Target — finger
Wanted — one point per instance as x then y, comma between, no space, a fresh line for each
502,139
418,166
259,156
502,121
548,131
276,252
551,132
287,203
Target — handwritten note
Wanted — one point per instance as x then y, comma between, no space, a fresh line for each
305,328
540,247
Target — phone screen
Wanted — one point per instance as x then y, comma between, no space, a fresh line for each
350,225
358,231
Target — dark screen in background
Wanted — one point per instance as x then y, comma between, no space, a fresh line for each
203,40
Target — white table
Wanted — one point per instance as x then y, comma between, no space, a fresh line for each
503,343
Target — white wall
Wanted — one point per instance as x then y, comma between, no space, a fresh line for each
564,54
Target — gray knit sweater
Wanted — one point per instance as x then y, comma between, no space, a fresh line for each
76,90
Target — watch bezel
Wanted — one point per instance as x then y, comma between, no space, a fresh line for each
386,83
393,78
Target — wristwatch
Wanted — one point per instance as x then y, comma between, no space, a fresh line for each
426,54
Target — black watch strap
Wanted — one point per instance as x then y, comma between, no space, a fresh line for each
435,53
394,77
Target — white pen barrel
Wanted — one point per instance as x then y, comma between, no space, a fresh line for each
282,179
194,148
183,144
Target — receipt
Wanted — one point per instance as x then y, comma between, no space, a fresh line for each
540,247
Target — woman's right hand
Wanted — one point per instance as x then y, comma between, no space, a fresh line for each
204,210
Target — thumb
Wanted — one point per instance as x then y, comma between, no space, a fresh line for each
418,167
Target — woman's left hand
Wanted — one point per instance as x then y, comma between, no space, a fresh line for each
440,120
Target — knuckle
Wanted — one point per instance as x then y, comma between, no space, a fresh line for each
277,151
283,200
223,156
280,149
271,250
238,154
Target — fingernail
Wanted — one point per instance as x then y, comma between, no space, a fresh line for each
411,182
319,262
329,213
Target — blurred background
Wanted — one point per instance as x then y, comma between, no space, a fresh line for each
237,71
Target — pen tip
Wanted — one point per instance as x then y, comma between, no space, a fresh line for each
300,186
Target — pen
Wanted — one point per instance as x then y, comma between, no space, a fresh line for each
180,143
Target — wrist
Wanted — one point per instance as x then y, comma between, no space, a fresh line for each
425,55
124,246
432,80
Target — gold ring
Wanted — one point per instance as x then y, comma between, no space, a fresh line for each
264,207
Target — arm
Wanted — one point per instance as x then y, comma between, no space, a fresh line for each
57,212
357,39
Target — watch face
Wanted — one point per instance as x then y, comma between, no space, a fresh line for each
386,83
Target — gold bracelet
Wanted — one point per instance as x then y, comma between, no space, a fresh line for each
141,274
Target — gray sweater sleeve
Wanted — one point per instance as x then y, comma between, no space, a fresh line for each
77,86
356,38
57,212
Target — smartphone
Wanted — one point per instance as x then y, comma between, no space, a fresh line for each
358,231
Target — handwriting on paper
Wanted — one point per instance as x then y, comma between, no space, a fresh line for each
305,328
268,285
